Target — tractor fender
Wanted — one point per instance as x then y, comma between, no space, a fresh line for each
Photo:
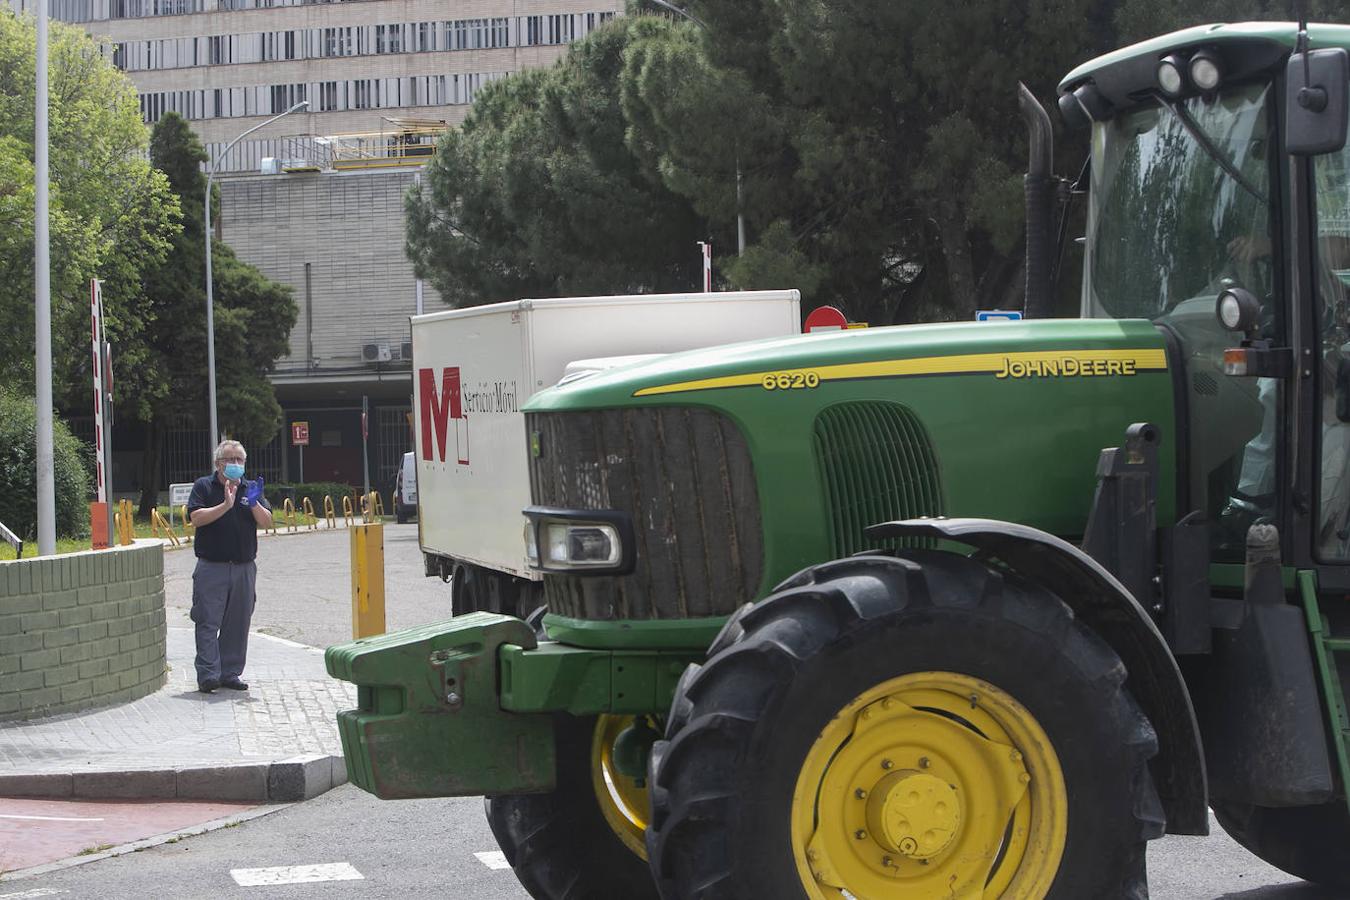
1102,603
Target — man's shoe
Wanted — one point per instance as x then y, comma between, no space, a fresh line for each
234,684
208,686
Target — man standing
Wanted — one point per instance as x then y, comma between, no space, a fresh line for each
226,511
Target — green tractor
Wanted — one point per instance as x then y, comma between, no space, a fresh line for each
873,614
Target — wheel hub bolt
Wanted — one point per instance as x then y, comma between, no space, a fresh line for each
860,794
886,861
860,834
923,762
886,764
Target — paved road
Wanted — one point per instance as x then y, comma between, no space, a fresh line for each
419,848
422,848
304,584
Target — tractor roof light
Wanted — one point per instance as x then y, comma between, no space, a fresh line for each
1206,72
1170,77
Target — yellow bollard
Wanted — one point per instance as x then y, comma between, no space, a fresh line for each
188,529
329,515
311,520
347,513
157,525
367,580
288,510
379,504
126,533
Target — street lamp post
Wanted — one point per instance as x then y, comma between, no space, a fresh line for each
210,295
740,215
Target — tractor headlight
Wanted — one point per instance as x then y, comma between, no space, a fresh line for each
587,541
531,545
1237,309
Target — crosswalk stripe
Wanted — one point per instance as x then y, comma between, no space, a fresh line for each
493,859
296,874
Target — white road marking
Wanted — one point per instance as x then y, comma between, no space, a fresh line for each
47,819
286,641
493,859
296,874
32,894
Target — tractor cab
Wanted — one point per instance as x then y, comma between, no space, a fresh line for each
1212,214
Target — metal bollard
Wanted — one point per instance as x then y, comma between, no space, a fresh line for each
329,514
311,520
367,580
347,513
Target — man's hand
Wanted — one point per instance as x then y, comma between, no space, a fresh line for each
252,491
1249,249
230,489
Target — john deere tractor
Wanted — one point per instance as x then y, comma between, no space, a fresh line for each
874,614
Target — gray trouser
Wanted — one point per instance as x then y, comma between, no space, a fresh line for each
222,605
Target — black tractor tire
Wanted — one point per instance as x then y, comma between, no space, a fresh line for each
743,722
559,844
1308,842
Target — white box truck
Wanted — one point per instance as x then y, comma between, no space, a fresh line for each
474,368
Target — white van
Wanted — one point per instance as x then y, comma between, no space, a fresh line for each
405,489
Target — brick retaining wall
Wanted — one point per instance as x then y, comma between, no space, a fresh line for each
81,630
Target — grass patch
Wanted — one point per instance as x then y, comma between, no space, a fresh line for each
90,851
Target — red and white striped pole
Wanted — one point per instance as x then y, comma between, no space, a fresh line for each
706,247
100,512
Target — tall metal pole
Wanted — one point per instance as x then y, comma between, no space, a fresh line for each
210,297
213,435
46,480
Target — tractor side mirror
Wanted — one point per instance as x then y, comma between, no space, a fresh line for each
1316,112
1343,390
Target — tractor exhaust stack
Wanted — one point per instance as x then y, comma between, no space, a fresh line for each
1039,184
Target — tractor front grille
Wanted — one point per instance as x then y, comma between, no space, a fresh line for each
686,478
877,464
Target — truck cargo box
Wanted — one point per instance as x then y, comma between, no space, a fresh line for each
474,369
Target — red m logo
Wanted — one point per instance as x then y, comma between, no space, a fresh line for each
438,409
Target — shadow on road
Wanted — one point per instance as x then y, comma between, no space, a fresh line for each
1285,892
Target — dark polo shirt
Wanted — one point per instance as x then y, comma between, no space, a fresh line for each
234,536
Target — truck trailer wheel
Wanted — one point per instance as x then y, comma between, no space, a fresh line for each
923,726
1306,841
582,841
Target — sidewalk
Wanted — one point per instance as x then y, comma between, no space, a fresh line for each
276,741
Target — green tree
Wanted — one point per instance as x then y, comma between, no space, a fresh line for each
253,321
18,470
879,143
537,194
111,216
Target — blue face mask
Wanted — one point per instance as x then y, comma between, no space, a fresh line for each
234,471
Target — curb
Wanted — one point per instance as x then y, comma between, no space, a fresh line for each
285,781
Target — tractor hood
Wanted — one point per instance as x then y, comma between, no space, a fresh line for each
1048,348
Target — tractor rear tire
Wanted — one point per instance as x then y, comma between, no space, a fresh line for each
559,844
1308,842
862,675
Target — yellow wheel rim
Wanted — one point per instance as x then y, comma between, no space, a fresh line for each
933,784
622,802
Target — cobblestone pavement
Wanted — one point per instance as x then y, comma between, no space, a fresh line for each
289,710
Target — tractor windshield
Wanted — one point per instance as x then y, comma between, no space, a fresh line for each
1181,208
1180,205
